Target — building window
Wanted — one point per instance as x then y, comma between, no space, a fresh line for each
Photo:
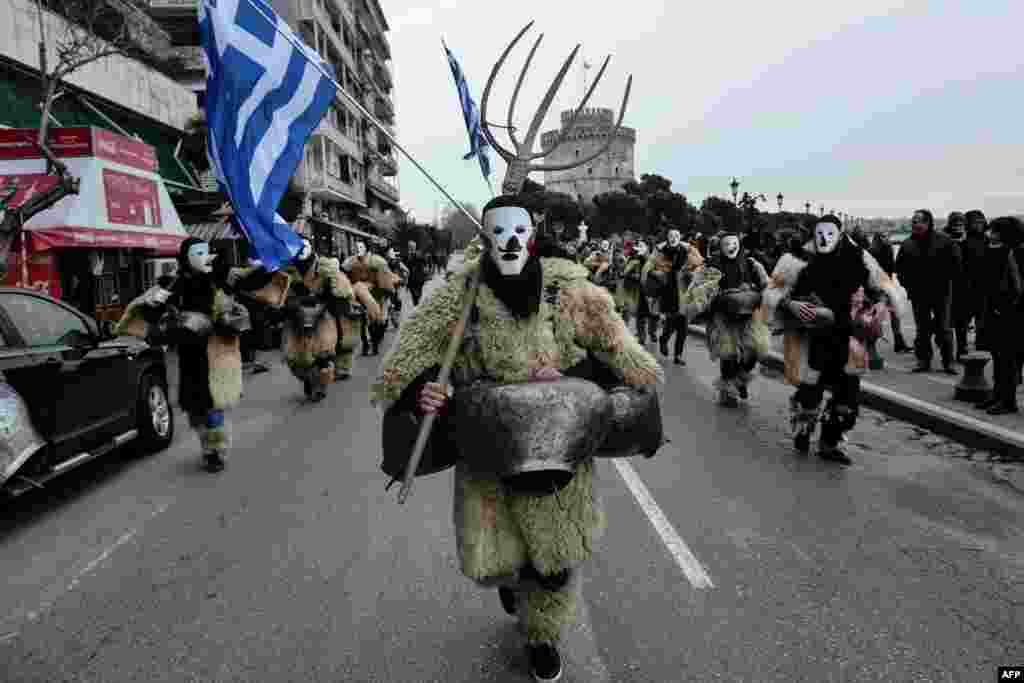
343,169
590,171
577,154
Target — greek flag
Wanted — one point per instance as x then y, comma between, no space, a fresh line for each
265,93
471,115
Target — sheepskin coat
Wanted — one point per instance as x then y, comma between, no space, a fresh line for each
791,275
728,338
325,277
498,532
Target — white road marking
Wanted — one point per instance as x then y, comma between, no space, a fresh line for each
127,536
686,560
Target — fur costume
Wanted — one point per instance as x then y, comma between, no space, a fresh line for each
795,341
659,265
210,366
335,341
816,359
500,534
371,280
736,343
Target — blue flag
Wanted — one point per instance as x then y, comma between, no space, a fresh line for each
264,97
471,115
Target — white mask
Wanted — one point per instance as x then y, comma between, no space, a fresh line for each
307,250
641,249
606,246
674,238
200,258
730,246
360,249
392,254
826,237
511,232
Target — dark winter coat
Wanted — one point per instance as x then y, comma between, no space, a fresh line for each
973,254
929,266
192,293
1000,297
417,265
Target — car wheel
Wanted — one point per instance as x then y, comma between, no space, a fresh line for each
155,415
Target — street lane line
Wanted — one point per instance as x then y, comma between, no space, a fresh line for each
686,560
127,536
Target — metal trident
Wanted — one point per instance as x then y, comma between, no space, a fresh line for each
520,161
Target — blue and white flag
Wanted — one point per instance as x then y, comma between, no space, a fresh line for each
264,97
471,115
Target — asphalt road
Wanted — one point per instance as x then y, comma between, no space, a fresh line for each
295,565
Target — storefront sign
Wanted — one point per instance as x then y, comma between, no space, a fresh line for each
73,236
122,150
20,143
131,200
28,185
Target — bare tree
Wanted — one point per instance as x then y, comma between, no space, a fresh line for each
93,30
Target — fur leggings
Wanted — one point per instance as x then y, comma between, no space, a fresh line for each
212,429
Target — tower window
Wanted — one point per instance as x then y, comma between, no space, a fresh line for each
590,171
577,154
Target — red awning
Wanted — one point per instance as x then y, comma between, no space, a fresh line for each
98,238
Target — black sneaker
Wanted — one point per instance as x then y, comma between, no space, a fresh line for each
508,599
679,360
950,370
833,454
342,375
545,663
213,461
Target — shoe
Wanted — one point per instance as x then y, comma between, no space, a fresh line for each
257,368
213,461
833,454
342,375
545,662
922,367
679,360
307,388
366,351
376,350
508,599
950,370
802,443
1002,409
901,348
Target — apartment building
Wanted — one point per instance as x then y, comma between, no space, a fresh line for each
347,182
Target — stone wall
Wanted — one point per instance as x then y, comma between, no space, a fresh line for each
606,173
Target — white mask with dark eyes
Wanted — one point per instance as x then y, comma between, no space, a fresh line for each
200,259
826,237
511,231
360,249
730,246
641,249
674,238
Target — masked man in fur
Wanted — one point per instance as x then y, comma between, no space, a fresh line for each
632,299
327,356
665,277
728,289
534,318
372,281
815,299
601,264
204,322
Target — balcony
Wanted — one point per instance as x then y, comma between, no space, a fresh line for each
383,109
382,74
383,187
333,134
322,185
384,161
311,12
185,59
173,7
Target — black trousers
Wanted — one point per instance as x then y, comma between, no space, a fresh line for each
933,320
416,292
1005,377
842,410
675,324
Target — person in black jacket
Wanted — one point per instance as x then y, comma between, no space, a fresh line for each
956,229
881,249
418,265
1000,313
973,250
928,265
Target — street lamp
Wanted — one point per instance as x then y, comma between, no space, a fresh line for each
807,208
821,210
735,186
778,199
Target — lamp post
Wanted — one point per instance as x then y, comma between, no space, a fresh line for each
778,216
807,208
735,187
821,210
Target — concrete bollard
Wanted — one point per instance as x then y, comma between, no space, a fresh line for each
974,386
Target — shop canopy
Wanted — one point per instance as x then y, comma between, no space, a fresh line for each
122,200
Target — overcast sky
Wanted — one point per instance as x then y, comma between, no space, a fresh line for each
874,107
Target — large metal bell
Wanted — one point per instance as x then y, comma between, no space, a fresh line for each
533,427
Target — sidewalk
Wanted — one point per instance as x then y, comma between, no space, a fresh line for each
927,399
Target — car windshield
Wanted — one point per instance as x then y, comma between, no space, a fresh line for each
41,322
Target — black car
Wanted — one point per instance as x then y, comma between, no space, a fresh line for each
70,393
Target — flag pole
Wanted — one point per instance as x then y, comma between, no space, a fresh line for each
370,117
474,283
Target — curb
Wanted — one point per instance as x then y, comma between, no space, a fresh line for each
955,425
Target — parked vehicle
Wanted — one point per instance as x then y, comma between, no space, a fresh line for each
70,393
